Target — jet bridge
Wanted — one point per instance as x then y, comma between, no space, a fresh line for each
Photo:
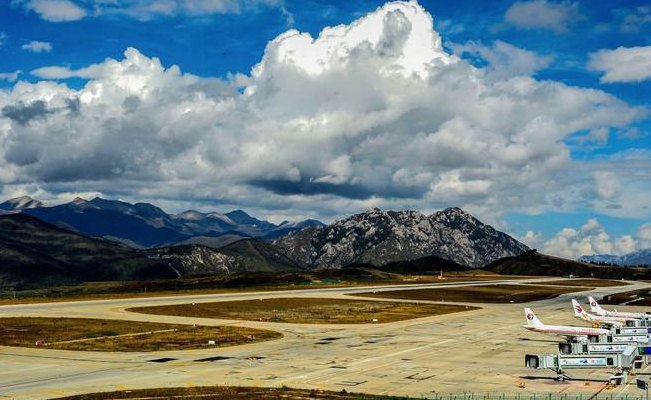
621,358
632,331
594,348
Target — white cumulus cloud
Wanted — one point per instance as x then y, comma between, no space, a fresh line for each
10,76
542,14
36,46
633,19
505,60
644,236
56,10
72,10
623,64
56,72
590,239
606,184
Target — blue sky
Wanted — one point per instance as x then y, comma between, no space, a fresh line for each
598,168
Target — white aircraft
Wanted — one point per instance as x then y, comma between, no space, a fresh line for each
596,308
580,313
534,324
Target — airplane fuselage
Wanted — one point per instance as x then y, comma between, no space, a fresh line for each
628,315
567,330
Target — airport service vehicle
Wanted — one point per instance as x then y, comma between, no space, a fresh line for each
580,313
596,308
569,332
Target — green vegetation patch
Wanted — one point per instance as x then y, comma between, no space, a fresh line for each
306,310
231,392
499,293
83,334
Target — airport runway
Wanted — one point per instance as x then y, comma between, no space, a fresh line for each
476,351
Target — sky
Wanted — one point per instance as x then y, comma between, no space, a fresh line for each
534,115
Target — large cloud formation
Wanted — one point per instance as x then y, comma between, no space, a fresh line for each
375,113
591,238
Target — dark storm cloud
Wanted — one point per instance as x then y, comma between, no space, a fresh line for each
357,192
24,113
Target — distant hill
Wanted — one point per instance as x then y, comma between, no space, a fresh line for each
286,228
145,225
259,255
216,242
34,254
379,237
430,265
534,263
637,258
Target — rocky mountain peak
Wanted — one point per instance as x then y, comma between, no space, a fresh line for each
455,214
20,203
379,237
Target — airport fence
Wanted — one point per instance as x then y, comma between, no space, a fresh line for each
536,396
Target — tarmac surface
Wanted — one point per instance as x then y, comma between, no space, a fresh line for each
479,351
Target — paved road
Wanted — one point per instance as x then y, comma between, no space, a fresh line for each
474,351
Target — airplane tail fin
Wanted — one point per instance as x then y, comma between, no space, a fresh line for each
532,320
579,312
595,307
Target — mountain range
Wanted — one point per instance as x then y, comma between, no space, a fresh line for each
145,225
637,258
113,240
34,253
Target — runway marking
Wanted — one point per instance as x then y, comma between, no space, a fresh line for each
56,378
70,358
367,360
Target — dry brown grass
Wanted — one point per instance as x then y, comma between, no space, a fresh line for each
585,283
105,335
164,293
640,297
499,293
306,310
124,290
231,392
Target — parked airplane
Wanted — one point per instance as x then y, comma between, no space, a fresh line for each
596,308
580,313
535,325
